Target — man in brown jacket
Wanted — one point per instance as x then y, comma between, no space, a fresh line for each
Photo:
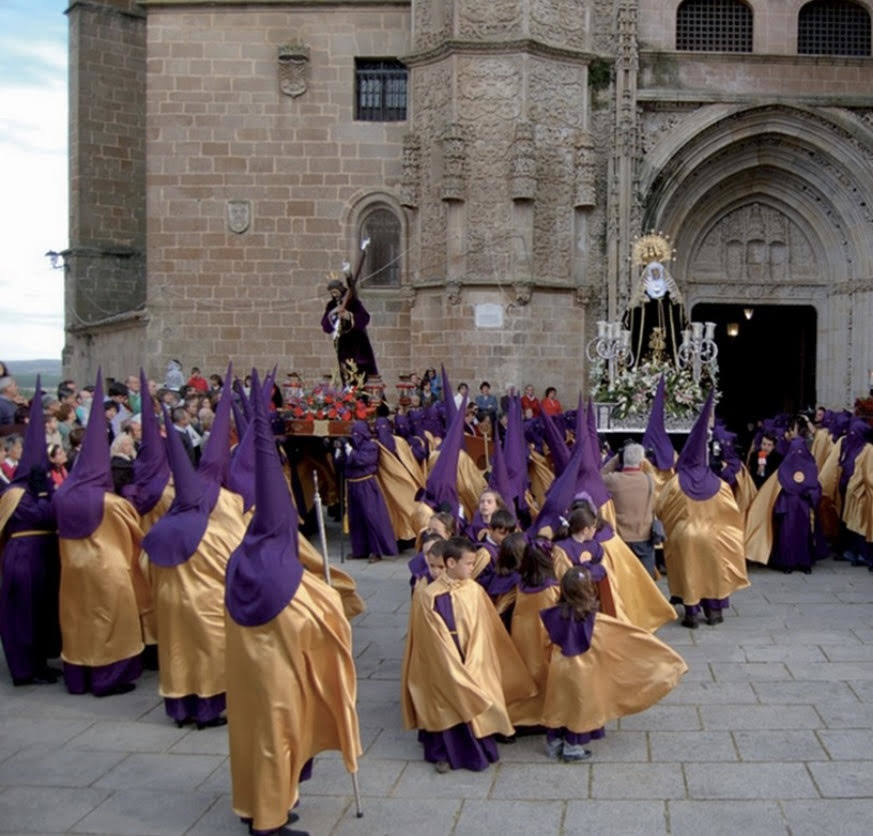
633,494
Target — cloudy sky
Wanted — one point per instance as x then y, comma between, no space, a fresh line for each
33,171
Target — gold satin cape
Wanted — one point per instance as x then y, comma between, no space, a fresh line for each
470,482
822,444
858,512
759,521
343,583
189,602
540,476
147,614
101,589
399,480
291,691
636,598
9,500
440,689
705,548
625,670
744,490
532,642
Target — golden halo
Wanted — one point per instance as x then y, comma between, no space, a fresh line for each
651,247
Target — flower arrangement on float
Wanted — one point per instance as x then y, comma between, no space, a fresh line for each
633,390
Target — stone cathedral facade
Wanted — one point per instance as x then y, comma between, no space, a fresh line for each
502,155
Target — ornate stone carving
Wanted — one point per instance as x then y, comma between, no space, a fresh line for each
586,171
558,97
560,22
655,124
432,22
454,162
239,215
522,292
409,180
489,89
586,295
705,290
523,185
453,292
755,243
293,60
489,20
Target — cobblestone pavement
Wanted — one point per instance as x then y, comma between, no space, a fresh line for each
771,731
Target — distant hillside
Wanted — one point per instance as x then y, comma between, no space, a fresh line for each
25,372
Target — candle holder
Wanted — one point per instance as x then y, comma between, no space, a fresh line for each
611,344
698,348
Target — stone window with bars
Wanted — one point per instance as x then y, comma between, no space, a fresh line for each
714,26
380,90
382,263
833,27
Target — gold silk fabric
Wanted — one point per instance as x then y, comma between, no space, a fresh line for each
858,511
532,642
291,692
101,585
829,479
189,602
440,688
471,483
343,583
483,561
399,480
744,490
759,522
625,670
607,513
540,476
660,477
822,444
9,500
147,613
705,548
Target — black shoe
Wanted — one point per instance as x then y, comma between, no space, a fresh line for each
211,724
506,741
690,621
808,570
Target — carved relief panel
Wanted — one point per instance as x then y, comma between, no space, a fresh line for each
752,244
431,22
564,23
490,20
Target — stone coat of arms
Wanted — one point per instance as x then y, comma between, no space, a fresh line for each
239,215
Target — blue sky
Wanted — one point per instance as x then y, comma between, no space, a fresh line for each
33,171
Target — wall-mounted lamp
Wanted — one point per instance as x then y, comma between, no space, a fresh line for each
56,259
733,329
748,313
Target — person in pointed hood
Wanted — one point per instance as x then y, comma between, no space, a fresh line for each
493,496
704,549
400,479
727,464
29,563
660,455
103,589
515,456
369,521
291,675
215,459
780,529
188,549
589,479
555,441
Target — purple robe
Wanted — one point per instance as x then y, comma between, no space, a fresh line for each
29,582
793,541
457,746
353,344
369,521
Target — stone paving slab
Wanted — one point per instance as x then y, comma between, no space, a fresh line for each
771,732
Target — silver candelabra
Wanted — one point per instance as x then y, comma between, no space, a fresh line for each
698,348
613,344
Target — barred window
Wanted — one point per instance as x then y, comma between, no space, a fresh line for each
382,263
714,26
380,90
833,27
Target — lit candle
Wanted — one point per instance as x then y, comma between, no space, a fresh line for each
625,338
697,330
710,330
601,327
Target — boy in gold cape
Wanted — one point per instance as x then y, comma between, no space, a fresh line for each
290,674
460,668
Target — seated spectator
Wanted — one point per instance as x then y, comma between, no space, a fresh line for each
122,455
529,402
550,403
9,399
216,382
13,446
198,382
57,464
471,422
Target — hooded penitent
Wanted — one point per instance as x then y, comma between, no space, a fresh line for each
151,470
448,398
79,500
695,476
264,572
558,498
655,438
554,438
216,455
498,479
385,434
515,455
589,480
34,453
441,487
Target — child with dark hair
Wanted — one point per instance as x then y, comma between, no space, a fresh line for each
503,587
537,590
418,565
599,669
502,523
460,668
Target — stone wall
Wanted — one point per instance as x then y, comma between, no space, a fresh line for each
221,130
105,264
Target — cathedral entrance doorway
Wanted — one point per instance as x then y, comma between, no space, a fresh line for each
766,362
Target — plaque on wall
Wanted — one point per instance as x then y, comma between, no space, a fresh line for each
488,315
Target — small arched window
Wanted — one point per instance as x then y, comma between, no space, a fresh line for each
714,26
833,27
382,267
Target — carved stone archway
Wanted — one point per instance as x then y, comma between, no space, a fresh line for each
770,205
